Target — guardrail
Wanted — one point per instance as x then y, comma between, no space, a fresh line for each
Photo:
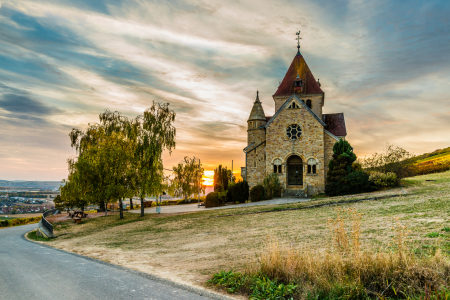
45,223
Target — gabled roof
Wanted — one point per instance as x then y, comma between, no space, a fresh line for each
335,124
288,101
300,68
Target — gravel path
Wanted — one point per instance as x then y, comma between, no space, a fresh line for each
193,207
32,271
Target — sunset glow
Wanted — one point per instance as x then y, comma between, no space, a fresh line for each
64,62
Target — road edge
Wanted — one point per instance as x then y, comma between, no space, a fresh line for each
181,286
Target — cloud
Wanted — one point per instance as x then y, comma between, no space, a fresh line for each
24,105
383,64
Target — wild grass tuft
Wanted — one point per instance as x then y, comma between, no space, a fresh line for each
345,271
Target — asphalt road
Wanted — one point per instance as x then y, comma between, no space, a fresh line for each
33,271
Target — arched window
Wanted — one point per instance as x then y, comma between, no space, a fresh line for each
308,103
277,166
312,166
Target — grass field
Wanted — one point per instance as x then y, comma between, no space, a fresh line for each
191,247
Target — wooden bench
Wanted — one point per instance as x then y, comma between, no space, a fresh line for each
173,202
77,220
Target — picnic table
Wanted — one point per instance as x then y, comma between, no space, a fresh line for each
148,203
173,202
77,215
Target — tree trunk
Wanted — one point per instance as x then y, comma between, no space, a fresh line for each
82,208
142,207
131,203
102,206
121,208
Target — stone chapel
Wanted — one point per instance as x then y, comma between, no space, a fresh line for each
296,142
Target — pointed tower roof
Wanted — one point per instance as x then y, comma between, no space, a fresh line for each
257,112
300,69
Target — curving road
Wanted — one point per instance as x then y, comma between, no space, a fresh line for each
33,271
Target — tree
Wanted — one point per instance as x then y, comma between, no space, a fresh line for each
394,159
339,167
151,134
222,177
187,178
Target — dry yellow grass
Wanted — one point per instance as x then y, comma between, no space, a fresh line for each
190,247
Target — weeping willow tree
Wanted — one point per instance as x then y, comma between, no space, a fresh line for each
125,156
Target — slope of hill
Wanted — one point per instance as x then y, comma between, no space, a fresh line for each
433,162
45,185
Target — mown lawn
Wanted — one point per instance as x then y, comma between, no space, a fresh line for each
190,247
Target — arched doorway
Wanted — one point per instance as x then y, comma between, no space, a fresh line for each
295,170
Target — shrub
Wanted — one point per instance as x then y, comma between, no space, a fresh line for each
212,200
257,193
238,192
381,180
272,186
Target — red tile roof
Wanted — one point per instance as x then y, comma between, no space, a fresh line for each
335,124
300,68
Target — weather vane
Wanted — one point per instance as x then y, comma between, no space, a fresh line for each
298,40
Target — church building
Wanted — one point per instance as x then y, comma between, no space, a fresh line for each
296,142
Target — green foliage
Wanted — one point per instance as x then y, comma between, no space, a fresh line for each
187,178
233,282
257,193
272,186
340,166
265,289
394,159
222,176
339,292
33,236
119,158
434,234
381,180
238,192
19,221
446,229
212,200
260,287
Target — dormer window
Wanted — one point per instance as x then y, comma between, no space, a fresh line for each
298,82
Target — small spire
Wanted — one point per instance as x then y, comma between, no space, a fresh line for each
298,42
257,96
318,82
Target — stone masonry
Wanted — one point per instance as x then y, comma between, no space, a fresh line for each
298,102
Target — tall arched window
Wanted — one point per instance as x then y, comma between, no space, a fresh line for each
309,103
312,166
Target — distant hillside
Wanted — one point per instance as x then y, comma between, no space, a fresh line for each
47,185
433,162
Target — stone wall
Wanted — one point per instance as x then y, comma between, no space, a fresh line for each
310,145
317,102
256,165
329,143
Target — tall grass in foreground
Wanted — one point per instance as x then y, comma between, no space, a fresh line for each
346,271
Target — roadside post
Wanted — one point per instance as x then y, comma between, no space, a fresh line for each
158,208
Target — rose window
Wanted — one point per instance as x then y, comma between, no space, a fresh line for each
294,132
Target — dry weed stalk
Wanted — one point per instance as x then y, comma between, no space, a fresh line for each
344,239
384,273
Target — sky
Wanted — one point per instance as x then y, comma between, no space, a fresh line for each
384,64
